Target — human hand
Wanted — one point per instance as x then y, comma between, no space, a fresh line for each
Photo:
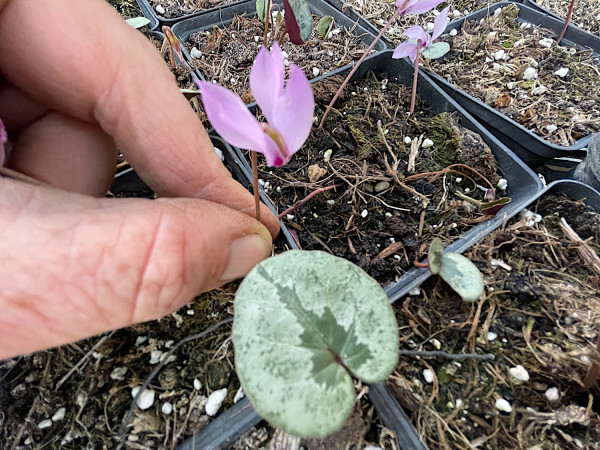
76,79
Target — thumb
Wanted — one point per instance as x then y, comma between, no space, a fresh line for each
75,266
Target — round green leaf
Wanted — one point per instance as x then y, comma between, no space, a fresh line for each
436,252
138,22
436,50
301,319
462,276
324,26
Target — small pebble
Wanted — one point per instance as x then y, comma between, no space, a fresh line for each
562,72
430,26
329,53
146,398
278,189
546,42
498,55
331,202
197,384
59,415
437,344
239,395
284,54
503,405
195,53
552,394
316,71
167,408
539,90
155,356
435,12
289,216
530,74
140,340
221,156
456,13
407,140
510,85
496,66
427,143
551,128
159,9
388,214
327,155
453,32
256,38
118,373
47,423
214,402
519,373
491,336
190,312
364,213
428,375
286,63
488,59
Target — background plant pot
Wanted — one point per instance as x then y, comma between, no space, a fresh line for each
522,182
153,15
225,15
148,14
594,41
531,148
571,189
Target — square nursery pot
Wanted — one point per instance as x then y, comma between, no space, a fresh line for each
534,150
148,14
151,13
592,41
225,15
523,184
391,408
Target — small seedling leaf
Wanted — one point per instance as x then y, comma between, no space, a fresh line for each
462,276
436,253
298,20
436,50
492,208
325,26
138,22
261,9
301,319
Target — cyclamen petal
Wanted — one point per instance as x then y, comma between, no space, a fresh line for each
418,6
294,110
404,50
267,79
230,117
3,139
416,32
440,23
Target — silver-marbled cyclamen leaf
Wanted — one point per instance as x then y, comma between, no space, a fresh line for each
300,317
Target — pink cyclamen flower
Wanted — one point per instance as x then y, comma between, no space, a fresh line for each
418,6
3,139
415,33
288,107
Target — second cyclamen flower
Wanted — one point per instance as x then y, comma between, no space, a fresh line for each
288,107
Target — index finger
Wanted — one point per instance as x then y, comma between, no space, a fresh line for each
99,69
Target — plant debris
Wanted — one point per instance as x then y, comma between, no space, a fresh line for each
586,13
541,321
227,53
518,69
173,9
383,217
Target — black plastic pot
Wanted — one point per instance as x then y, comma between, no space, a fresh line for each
224,16
153,15
148,14
522,182
531,148
593,40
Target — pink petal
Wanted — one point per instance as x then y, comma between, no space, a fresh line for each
294,111
228,114
421,6
404,50
266,79
3,139
416,32
439,24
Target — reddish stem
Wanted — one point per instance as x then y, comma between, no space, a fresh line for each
420,264
564,30
357,65
267,18
307,198
415,77
254,160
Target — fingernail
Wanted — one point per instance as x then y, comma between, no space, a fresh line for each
245,253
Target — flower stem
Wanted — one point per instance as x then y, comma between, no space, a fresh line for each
357,65
267,17
564,30
415,78
254,160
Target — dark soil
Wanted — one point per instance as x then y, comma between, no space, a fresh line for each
541,311
180,8
378,222
586,13
228,53
491,60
